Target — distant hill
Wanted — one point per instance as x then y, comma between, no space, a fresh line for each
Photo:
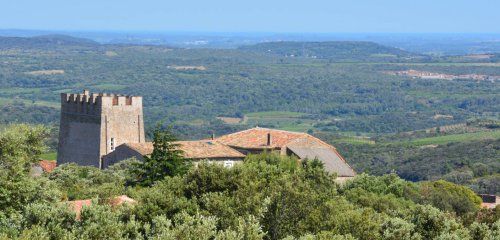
337,50
473,163
45,41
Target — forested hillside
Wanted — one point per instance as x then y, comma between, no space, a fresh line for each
474,163
189,88
334,51
44,42
345,89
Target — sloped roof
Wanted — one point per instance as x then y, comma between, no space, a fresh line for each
47,165
201,149
491,202
117,201
207,149
77,205
301,144
331,159
256,138
142,148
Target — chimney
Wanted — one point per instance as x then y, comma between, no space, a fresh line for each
269,139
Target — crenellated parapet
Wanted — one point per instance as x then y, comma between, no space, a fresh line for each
93,103
93,124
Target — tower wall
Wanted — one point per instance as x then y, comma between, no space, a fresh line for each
92,125
121,122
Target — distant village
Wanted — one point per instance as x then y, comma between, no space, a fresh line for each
442,76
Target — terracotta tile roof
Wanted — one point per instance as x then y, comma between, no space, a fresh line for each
256,138
207,149
47,165
330,158
489,205
201,149
77,205
142,148
489,201
301,144
123,199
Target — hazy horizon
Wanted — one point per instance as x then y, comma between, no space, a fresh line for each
277,17
135,31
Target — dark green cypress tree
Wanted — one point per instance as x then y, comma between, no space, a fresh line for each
165,160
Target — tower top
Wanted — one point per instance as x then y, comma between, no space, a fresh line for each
101,98
93,124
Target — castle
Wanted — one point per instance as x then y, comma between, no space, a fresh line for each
102,129
93,125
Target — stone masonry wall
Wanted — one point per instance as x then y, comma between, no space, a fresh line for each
92,125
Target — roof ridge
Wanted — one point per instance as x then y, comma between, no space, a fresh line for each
201,140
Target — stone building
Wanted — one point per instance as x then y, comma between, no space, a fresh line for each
196,151
93,125
103,129
301,145
232,148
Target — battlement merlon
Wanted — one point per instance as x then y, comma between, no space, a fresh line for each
103,99
112,100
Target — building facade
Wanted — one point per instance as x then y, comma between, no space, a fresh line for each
196,151
103,129
301,145
93,125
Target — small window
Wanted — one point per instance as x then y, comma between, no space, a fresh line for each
228,164
112,144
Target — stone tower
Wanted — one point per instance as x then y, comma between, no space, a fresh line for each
93,125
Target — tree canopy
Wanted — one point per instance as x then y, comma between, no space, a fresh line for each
268,196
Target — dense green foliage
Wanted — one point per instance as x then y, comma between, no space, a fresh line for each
341,51
165,160
20,146
44,41
16,112
266,197
472,163
322,88
344,90
348,91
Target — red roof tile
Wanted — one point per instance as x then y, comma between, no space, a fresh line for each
77,205
47,165
301,144
491,204
123,199
202,149
256,138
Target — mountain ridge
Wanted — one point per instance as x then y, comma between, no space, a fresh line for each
45,41
332,50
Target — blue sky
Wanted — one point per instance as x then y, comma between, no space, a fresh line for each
384,16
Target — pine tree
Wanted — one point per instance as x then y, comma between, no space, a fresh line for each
165,160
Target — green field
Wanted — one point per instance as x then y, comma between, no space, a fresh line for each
49,156
109,87
355,140
290,121
4,101
301,127
275,114
464,137
342,89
